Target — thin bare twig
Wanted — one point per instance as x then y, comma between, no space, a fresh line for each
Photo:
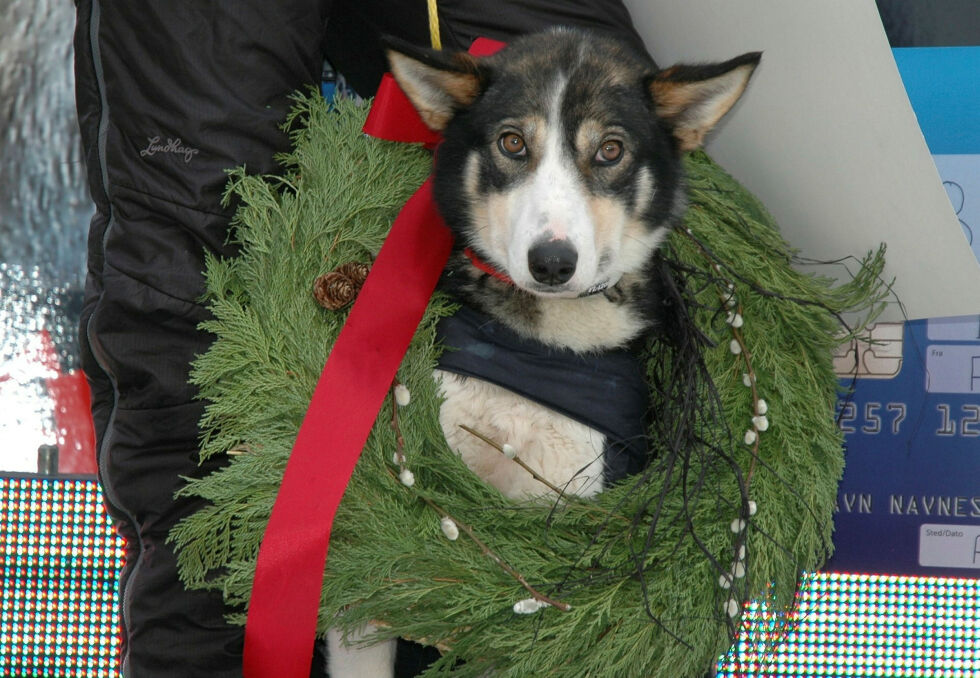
490,553
487,551
517,460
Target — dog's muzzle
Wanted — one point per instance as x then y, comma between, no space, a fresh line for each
552,262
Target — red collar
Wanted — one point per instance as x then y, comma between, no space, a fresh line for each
485,267
503,277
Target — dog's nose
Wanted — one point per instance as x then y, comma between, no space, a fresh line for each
552,262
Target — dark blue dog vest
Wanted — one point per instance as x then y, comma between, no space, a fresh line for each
606,391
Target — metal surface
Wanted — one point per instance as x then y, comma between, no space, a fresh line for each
44,215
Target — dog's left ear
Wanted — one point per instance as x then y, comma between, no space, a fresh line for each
437,83
692,99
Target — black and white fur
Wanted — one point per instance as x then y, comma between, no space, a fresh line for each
560,169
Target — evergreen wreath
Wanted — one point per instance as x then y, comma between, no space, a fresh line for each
652,577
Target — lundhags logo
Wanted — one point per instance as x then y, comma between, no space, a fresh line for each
172,146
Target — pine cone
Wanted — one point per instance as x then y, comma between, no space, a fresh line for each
355,271
338,288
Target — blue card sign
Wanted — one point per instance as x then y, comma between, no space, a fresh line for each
909,502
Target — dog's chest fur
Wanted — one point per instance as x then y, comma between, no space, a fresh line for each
565,452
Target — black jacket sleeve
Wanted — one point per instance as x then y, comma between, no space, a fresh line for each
353,32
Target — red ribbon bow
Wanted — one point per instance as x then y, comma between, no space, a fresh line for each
282,613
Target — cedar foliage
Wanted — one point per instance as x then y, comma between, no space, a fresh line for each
640,565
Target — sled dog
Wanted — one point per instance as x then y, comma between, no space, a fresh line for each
560,175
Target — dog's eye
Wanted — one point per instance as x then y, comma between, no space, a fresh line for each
512,145
609,153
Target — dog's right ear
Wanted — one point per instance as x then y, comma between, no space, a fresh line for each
437,83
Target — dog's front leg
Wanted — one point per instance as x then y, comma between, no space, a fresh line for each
352,661
566,453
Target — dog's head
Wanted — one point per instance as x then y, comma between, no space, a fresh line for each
560,161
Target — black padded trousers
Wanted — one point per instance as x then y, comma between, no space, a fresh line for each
170,94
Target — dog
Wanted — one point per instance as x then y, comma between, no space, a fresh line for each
559,175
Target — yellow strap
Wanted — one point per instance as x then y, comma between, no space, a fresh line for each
434,25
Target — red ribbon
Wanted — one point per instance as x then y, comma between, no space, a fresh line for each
282,613
393,117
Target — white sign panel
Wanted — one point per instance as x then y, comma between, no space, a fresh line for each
826,137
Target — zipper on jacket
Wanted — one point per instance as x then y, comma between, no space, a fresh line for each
111,497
